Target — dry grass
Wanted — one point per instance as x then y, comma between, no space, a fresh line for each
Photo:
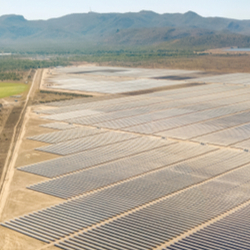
211,63
8,120
46,97
214,63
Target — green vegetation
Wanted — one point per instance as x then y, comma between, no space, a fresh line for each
13,76
131,56
23,64
178,54
75,32
14,68
163,58
9,89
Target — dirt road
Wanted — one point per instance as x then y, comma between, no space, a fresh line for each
8,169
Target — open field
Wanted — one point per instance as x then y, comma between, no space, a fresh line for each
228,51
9,116
155,165
9,89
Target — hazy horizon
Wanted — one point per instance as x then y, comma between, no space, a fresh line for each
48,9
72,13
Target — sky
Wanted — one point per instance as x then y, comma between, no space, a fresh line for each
45,9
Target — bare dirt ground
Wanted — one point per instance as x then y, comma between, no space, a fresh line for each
223,51
27,154
11,128
4,113
15,198
6,134
19,200
9,116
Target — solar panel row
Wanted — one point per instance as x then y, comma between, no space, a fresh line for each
58,126
224,115
227,137
65,135
200,93
93,157
85,181
162,167
88,210
86,143
162,221
153,111
232,232
111,87
162,117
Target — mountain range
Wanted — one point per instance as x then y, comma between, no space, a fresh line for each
129,29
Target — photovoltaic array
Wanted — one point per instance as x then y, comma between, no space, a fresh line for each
138,171
66,135
154,225
125,168
232,232
93,157
58,125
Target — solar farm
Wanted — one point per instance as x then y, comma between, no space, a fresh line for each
159,159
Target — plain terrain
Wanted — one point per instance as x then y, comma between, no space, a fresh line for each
9,89
216,111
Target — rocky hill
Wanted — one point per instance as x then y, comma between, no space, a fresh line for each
129,29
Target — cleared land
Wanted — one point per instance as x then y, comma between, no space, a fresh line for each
133,171
10,111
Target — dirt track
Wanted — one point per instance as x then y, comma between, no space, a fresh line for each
14,182
6,135
14,122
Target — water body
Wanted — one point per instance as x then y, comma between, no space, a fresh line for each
238,50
